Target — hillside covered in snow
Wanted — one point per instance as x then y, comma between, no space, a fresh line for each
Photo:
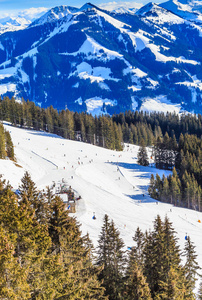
108,182
100,61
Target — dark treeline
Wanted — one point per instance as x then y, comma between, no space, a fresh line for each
101,131
128,127
184,186
6,144
43,255
185,191
160,123
105,131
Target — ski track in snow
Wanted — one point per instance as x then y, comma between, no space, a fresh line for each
108,182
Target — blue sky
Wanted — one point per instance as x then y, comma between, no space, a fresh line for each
17,5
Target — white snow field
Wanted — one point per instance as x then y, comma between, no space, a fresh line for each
109,182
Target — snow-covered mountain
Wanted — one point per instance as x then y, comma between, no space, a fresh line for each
21,20
93,60
124,10
188,9
13,23
156,14
55,14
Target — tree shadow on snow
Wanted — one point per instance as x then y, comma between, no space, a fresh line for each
146,171
46,134
139,198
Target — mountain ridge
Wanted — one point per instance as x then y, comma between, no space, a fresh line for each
90,59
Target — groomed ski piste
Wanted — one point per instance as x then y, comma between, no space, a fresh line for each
109,182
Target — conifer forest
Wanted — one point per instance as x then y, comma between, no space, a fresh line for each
43,254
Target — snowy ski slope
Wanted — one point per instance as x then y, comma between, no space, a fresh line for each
108,181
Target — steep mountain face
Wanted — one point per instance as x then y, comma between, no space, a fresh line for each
92,60
188,9
55,14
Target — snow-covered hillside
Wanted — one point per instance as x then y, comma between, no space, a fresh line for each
187,9
99,61
108,182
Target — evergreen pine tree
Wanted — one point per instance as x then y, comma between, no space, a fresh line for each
142,156
152,188
199,197
13,278
158,186
158,153
111,257
200,292
9,145
163,260
31,241
2,143
157,255
172,288
187,188
175,188
194,189
136,255
77,278
165,195
136,286
166,151
148,267
28,190
191,266
171,247
118,138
